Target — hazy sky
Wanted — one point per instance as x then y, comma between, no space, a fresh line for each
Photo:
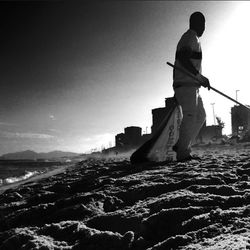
74,75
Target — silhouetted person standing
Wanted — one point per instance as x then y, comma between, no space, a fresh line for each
188,56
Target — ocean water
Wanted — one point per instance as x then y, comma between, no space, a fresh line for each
12,171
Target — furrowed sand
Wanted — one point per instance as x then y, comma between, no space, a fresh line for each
110,204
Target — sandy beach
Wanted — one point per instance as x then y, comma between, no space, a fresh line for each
110,204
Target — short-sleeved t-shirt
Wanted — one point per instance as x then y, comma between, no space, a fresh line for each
189,40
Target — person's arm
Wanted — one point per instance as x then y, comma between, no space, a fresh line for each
184,55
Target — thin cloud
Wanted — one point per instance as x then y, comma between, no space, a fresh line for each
7,124
15,135
98,138
53,130
52,117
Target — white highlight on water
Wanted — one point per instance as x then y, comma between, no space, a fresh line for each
11,180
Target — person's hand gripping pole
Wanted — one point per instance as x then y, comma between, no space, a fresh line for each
201,82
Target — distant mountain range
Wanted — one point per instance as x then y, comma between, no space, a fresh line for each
31,155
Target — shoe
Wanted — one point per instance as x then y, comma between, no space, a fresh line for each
190,158
174,148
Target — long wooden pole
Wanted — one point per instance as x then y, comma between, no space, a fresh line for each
216,90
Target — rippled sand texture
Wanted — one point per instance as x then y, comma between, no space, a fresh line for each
106,205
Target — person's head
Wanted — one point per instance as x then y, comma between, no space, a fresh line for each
197,23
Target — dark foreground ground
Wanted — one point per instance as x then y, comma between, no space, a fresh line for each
111,204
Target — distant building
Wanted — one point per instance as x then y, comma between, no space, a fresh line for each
209,133
120,140
159,114
240,120
133,135
130,139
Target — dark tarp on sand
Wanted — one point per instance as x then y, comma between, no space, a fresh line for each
159,147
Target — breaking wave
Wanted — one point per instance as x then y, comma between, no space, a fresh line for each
10,180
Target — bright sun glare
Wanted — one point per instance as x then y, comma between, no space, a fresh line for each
227,63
